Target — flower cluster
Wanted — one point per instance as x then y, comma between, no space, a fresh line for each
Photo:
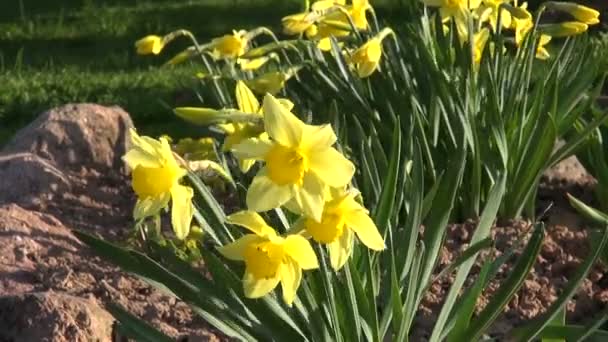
301,172
498,15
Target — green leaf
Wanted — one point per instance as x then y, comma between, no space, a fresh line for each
588,212
386,204
509,287
481,234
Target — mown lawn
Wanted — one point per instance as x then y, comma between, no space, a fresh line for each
54,52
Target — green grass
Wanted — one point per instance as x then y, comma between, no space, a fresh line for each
55,52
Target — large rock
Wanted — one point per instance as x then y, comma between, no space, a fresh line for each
53,317
26,178
75,136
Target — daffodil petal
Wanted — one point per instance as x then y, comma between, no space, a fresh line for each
136,157
235,250
300,250
282,126
264,194
150,206
246,164
366,230
181,210
252,221
256,288
253,148
340,250
318,137
291,276
246,100
310,197
331,167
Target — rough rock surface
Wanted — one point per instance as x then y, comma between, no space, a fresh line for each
64,172
77,135
53,317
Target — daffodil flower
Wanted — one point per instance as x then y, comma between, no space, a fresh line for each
541,50
458,11
155,180
366,58
565,29
230,46
343,217
299,162
584,14
269,258
151,44
256,63
479,43
489,11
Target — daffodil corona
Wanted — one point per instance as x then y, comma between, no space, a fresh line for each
300,162
155,180
343,217
269,258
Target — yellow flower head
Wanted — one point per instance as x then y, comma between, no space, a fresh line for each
155,180
522,23
479,43
581,13
489,11
151,44
343,216
230,46
366,58
541,51
299,162
457,10
269,258
298,23
565,29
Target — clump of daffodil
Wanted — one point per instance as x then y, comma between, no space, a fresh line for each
269,258
155,179
151,44
300,162
343,217
583,14
366,59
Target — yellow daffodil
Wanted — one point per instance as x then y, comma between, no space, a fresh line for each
366,58
150,44
565,29
343,217
269,258
230,46
323,5
541,51
479,43
299,162
489,11
522,24
581,13
457,11
298,23
271,82
256,63
155,180
238,132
